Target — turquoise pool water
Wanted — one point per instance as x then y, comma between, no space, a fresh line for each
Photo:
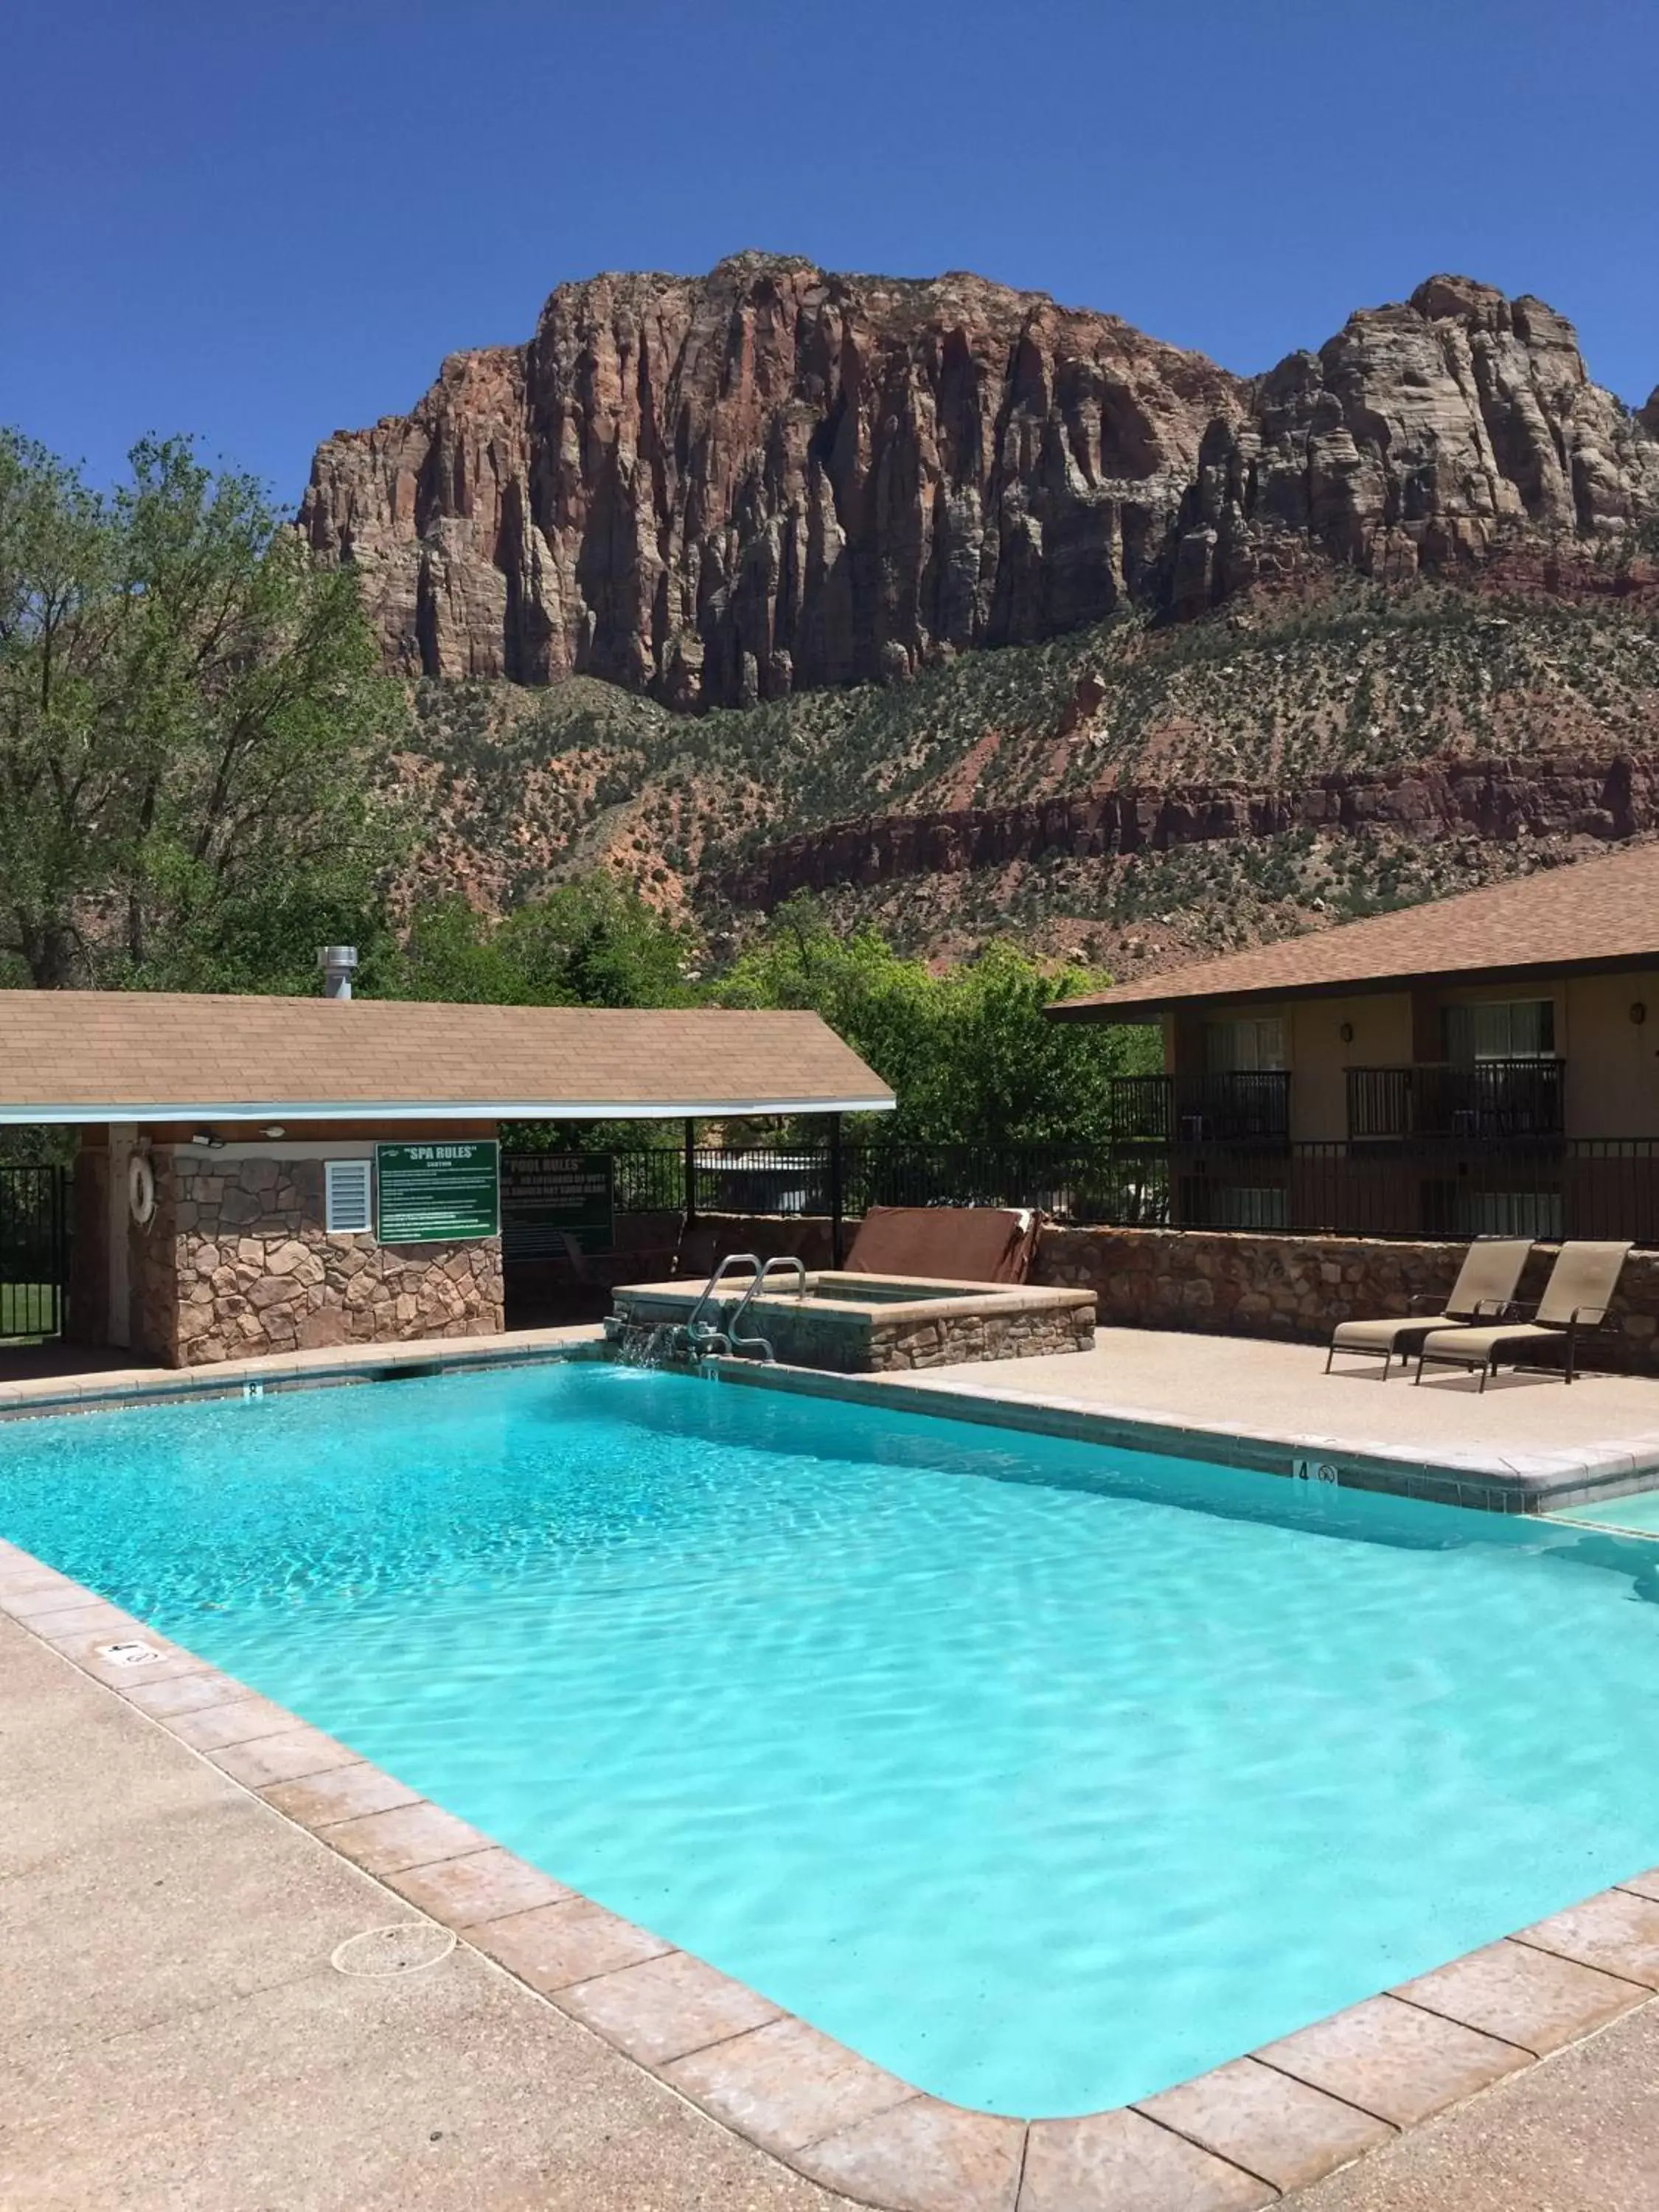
1043,1774
1639,1512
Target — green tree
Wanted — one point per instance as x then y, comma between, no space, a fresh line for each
591,943
194,726
970,1052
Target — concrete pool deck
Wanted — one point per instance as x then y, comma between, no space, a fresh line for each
185,1865
1531,1442
66,1378
174,2034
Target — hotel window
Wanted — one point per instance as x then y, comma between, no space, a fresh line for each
1250,1046
1502,1029
347,1188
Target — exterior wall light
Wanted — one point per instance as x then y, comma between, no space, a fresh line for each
1638,1013
1347,1033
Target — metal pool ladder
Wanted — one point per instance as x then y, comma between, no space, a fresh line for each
760,1346
698,1337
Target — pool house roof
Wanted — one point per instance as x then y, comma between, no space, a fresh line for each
1593,915
95,1056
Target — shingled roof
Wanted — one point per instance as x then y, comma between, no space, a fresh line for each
137,1056
1598,913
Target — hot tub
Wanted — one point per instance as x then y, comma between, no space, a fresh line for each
873,1324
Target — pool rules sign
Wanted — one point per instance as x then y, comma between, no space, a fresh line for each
433,1194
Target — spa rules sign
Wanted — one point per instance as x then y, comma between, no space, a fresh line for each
430,1193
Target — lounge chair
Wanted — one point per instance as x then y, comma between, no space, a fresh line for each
1576,1299
1486,1282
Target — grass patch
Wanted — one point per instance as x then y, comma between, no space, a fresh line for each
28,1309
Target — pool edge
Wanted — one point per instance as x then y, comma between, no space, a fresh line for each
1484,1487
327,1367
1554,1482
1333,2090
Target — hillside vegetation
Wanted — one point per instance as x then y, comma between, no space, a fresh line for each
525,789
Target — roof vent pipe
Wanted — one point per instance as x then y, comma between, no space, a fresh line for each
336,962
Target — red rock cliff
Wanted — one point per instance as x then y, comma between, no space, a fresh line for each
726,488
1552,796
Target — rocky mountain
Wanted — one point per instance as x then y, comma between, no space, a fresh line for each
728,489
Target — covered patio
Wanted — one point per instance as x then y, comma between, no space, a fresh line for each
267,1175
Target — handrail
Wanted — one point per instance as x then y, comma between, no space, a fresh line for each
760,1344
700,1339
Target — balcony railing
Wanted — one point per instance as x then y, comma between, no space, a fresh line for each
1488,1101
1244,1108
1143,1109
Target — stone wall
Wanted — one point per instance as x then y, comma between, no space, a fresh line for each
897,1344
1298,1288
1224,1282
881,1339
237,1262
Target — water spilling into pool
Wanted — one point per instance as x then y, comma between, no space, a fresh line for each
1045,1775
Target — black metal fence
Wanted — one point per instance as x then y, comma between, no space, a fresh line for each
1409,1187
34,1250
1113,1185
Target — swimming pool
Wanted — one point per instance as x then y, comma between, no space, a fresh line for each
1045,1775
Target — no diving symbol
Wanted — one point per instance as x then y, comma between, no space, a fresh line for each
1314,1470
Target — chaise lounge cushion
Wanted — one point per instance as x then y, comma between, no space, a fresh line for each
1398,1333
1473,1347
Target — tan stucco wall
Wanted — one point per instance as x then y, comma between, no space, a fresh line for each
1612,1062
1319,1058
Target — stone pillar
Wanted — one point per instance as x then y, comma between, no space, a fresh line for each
239,1261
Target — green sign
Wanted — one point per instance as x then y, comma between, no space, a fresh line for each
547,1197
428,1193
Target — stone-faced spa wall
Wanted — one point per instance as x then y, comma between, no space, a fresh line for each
237,1262
1298,1288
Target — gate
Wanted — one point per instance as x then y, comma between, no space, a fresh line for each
34,1250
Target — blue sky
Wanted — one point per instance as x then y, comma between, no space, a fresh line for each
263,223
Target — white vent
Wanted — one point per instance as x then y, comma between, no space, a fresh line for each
349,1197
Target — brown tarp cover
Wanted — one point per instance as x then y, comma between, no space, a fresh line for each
958,1244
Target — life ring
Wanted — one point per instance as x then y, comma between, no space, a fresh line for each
141,1189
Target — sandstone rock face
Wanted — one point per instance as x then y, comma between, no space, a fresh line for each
1559,795
717,489
721,489
1425,437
